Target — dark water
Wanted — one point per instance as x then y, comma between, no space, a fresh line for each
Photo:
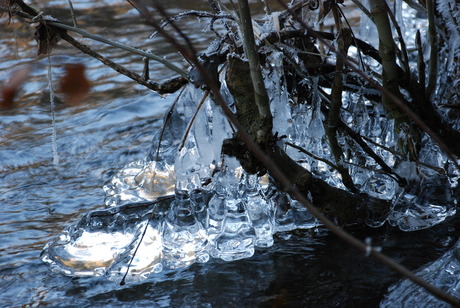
115,126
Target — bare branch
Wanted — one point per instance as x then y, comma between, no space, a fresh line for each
260,93
433,65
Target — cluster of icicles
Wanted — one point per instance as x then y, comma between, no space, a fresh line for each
215,209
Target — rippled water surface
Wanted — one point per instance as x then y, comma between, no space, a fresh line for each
114,126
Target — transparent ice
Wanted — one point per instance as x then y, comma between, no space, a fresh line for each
442,273
216,210
184,237
103,243
260,211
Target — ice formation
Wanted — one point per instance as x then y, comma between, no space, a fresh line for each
216,210
442,273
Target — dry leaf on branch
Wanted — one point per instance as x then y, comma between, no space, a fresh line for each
47,38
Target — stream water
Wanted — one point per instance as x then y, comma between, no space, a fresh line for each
113,127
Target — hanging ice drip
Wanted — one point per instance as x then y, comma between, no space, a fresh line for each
283,213
216,210
260,211
231,230
184,237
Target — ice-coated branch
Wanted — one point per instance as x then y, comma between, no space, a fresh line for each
343,41
260,93
442,133
390,72
28,12
348,208
169,86
347,237
390,79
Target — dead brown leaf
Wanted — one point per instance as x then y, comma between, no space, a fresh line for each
12,87
74,84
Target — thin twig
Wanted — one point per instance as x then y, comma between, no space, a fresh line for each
416,6
198,14
169,86
28,12
121,46
433,65
144,232
359,140
302,150
192,120
363,9
72,13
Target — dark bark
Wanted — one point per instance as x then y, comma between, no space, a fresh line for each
346,207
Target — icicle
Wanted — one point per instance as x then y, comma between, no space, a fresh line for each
279,105
53,113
